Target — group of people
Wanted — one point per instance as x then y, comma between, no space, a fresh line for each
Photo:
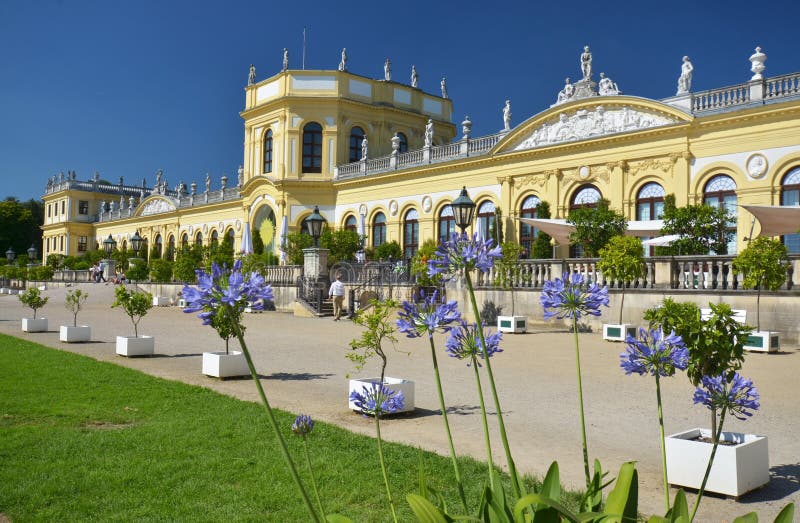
97,274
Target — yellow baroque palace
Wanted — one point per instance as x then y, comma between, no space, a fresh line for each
384,158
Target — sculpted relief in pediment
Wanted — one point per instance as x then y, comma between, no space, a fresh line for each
592,123
157,206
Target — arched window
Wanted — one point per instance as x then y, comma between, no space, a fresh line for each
720,192
587,196
486,219
312,148
403,143
171,247
410,234
264,228
447,223
790,195
351,224
527,232
268,151
231,235
184,241
159,246
214,238
198,238
650,202
378,230
356,137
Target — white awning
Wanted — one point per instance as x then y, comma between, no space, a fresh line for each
247,240
560,229
662,241
776,220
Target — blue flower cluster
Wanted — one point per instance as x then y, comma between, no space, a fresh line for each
572,298
654,353
428,316
738,396
464,342
378,399
303,425
462,252
224,287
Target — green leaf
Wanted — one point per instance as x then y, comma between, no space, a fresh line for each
425,511
680,508
786,515
551,488
623,499
539,499
751,517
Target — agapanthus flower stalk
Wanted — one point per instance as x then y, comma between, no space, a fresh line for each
571,298
230,291
302,426
737,396
660,356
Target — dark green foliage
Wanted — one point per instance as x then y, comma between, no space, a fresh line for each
33,299
138,271
20,224
622,261
419,265
763,263
135,304
386,251
541,248
595,227
342,245
160,270
187,262
704,229
295,243
258,243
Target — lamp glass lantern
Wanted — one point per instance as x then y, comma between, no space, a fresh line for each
109,245
314,225
463,210
10,255
136,243
32,253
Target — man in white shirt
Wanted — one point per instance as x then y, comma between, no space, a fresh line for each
336,292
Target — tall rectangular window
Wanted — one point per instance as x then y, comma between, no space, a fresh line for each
83,207
82,243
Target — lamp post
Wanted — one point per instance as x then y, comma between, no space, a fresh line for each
463,210
10,255
314,225
315,260
32,254
108,264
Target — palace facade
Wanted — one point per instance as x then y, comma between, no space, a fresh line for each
384,159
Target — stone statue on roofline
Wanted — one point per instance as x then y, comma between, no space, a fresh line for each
586,63
414,76
343,61
285,65
387,70
507,116
606,86
251,78
364,148
566,93
444,87
429,133
685,80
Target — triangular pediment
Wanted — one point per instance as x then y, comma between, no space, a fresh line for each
156,205
579,121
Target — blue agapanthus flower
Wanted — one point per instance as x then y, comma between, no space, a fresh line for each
378,399
224,287
653,353
738,396
571,298
427,316
464,342
462,252
303,425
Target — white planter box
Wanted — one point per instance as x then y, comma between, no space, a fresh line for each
763,341
404,386
132,346
512,324
737,469
618,332
72,334
181,303
160,301
37,325
222,365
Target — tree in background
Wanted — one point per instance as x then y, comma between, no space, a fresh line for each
388,251
295,243
763,264
702,228
188,260
20,224
594,227
540,247
342,244
622,260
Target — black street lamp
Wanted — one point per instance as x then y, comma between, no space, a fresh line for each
136,243
10,255
32,252
314,224
463,210
109,245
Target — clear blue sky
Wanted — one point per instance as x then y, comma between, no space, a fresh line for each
127,88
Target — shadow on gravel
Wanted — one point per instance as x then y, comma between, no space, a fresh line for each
784,481
295,376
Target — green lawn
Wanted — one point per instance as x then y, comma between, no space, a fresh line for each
82,440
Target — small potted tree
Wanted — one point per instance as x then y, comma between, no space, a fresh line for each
506,272
33,299
226,364
763,264
136,305
379,329
75,333
621,261
716,352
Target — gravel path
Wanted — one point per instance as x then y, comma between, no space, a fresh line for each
304,370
